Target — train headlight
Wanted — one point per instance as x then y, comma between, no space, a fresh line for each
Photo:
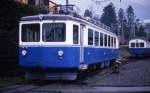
24,52
60,53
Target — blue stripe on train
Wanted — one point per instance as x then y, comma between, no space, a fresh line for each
139,51
95,55
48,56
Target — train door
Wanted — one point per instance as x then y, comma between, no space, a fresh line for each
82,29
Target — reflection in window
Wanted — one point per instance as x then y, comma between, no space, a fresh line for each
54,32
90,37
75,34
30,32
96,38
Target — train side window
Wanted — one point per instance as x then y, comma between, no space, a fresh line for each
105,40
141,44
90,37
101,39
75,34
111,41
115,42
108,41
137,44
96,38
132,44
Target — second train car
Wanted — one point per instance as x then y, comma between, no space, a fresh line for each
139,47
59,46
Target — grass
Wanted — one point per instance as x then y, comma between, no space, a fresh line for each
124,52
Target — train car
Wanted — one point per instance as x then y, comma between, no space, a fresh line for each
58,46
139,47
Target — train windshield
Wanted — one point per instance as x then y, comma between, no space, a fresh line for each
30,33
54,32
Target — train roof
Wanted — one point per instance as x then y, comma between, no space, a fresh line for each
66,17
142,38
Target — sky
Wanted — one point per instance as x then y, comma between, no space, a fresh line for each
141,7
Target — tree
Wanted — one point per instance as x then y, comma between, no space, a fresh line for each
109,15
88,13
130,20
141,32
122,26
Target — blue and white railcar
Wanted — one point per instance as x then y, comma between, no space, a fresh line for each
58,46
139,47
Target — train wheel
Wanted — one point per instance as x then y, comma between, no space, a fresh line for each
112,62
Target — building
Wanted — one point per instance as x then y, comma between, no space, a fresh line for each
45,4
22,1
53,7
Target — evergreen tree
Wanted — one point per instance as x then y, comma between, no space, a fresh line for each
141,32
109,15
130,20
88,13
122,22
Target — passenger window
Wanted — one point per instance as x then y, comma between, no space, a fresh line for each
132,44
90,37
141,44
115,42
75,34
96,38
101,39
111,41
105,42
108,41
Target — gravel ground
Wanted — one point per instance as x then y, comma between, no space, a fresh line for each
133,73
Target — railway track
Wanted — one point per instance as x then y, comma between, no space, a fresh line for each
58,88
78,86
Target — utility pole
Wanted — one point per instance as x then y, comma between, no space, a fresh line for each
67,3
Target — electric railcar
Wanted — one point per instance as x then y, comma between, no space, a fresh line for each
58,46
139,47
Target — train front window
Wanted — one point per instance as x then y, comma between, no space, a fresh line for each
132,44
54,32
137,44
141,44
30,33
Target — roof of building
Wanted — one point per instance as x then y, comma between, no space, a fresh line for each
53,2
